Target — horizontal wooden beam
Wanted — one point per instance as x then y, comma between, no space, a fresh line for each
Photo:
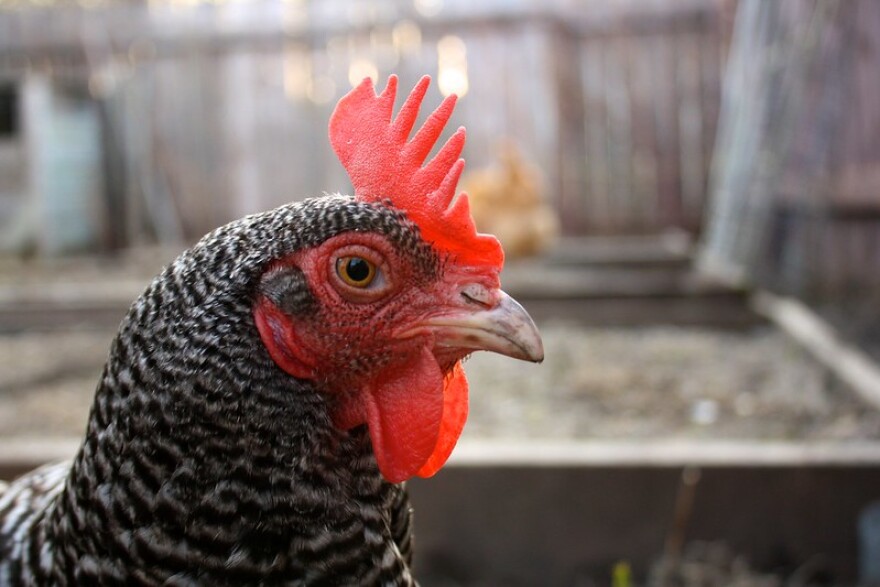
664,453
853,366
171,30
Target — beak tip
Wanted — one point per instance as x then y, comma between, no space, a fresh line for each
537,356
523,333
528,342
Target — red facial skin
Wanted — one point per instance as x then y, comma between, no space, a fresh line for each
370,349
390,355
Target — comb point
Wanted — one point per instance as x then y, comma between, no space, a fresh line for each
426,137
446,192
390,87
384,166
406,118
448,154
460,210
387,97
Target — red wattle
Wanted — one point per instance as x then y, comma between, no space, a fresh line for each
455,413
404,411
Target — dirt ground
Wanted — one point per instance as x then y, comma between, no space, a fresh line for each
615,383
596,383
599,383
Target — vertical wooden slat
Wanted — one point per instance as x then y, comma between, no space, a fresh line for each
571,146
710,80
666,121
690,129
646,147
597,188
618,146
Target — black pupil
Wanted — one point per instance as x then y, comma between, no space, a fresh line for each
357,269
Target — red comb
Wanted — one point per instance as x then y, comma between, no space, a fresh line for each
384,165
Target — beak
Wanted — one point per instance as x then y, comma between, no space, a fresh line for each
500,325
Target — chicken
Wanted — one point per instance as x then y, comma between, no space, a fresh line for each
267,395
506,200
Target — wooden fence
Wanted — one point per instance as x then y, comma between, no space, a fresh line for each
796,192
207,118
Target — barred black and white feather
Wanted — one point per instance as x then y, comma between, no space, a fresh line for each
203,463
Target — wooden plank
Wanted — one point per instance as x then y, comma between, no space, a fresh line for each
573,175
644,134
661,452
673,250
596,208
618,137
711,67
692,159
665,112
522,526
846,361
57,32
20,455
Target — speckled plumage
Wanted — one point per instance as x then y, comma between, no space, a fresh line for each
203,462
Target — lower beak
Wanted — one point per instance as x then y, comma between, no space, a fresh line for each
504,327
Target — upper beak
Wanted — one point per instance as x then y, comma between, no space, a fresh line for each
492,322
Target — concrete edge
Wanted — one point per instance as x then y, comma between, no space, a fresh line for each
664,453
23,453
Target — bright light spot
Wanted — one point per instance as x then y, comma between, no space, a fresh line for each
360,12
407,37
294,14
452,76
382,48
174,4
428,7
322,90
360,68
297,71
102,83
452,81
182,3
451,50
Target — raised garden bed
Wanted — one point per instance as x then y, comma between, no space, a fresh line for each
569,468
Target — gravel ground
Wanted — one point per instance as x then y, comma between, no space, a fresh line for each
606,383
47,381
665,382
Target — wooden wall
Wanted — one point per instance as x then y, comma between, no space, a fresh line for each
796,188
207,118
639,103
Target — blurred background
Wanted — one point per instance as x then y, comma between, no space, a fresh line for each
166,119
688,192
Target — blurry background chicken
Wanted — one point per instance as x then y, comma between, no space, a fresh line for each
507,200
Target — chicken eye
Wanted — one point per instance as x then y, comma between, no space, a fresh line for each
356,271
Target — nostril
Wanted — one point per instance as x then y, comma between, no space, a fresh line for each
477,294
